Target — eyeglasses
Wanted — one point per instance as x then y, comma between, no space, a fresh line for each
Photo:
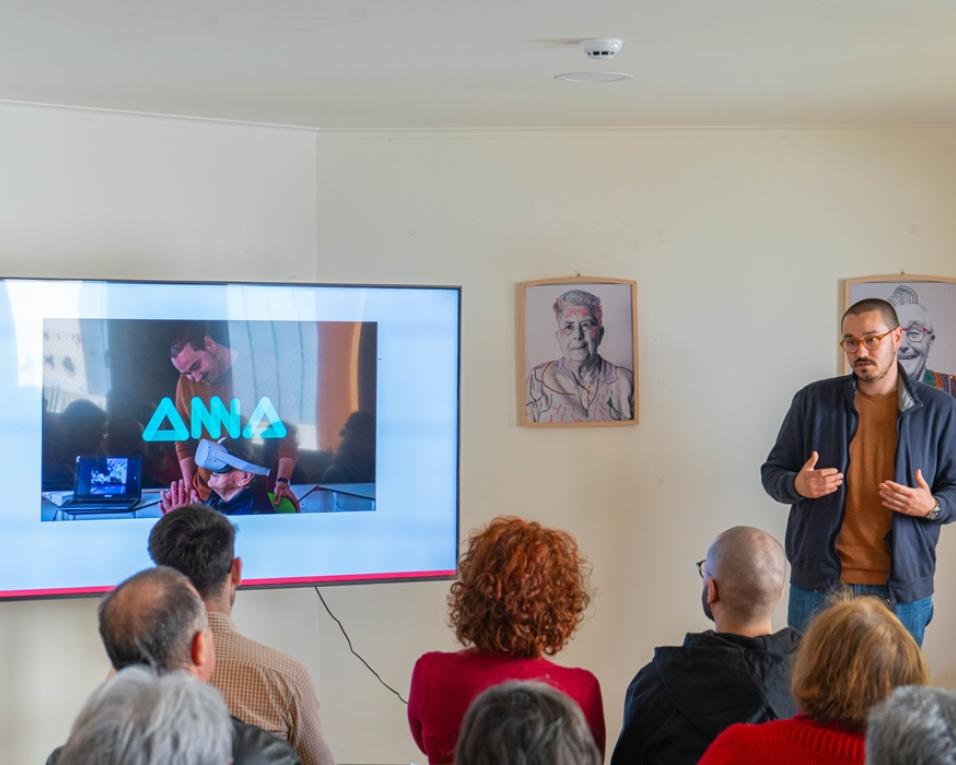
916,333
700,568
871,342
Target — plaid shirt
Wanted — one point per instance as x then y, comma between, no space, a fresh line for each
264,687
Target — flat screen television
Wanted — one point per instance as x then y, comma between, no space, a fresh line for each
114,392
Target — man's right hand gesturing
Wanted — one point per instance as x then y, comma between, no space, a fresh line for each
811,483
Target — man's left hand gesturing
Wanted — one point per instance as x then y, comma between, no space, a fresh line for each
917,501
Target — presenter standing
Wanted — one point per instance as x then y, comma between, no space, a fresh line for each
867,463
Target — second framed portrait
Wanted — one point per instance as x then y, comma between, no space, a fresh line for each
577,352
926,307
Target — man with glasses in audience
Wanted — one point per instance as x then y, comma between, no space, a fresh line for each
737,672
867,463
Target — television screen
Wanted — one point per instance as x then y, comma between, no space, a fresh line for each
323,420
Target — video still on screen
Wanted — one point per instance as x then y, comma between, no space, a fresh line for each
249,417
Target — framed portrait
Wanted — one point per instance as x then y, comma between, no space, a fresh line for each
926,307
577,352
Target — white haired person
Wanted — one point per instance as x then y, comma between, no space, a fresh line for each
140,718
581,386
919,335
914,726
156,619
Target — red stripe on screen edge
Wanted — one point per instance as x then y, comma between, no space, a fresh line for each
352,577
55,591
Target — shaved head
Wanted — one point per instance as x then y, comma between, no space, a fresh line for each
749,567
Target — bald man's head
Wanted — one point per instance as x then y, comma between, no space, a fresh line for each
749,567
152,618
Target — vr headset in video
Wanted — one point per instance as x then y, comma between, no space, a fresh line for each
217,458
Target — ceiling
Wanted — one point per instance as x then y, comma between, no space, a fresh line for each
483,63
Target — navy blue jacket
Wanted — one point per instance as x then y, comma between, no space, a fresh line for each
822,418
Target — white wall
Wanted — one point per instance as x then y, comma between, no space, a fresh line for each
96,194
737,237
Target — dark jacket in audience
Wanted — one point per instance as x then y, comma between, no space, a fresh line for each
250,746
676,705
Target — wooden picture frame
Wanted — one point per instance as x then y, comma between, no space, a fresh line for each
926,306
583,373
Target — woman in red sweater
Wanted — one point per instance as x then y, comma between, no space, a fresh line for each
853,655
520,595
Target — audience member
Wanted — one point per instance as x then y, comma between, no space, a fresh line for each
139,718
855,652
261,686
520,595
679,702
156,618
525,723
914,726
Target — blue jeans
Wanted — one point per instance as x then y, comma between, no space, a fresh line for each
915,615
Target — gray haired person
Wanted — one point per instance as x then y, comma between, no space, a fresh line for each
140,718
914,726
525,722
918,338
156,620
581,386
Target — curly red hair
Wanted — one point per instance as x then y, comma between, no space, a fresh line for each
521,589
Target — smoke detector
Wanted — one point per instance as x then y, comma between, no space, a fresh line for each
602,47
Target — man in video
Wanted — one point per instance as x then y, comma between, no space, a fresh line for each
207,366
237,484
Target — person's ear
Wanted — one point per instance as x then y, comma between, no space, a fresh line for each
712,594
202,654
897,337
235,572
210,344
245,478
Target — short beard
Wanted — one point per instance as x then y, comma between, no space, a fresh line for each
877,377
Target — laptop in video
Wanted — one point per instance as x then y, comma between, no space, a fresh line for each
105,485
